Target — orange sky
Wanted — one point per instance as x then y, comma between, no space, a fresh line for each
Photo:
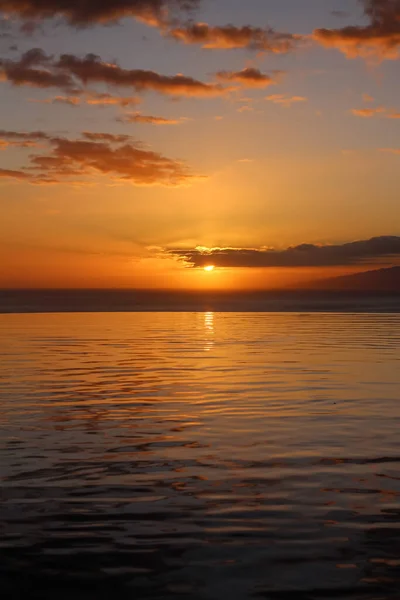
125,147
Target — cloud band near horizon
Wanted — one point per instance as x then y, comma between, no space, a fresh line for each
377,250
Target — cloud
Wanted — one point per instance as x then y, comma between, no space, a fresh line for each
106,137
69,72
70,100
368,98
149,119
88,12
92,99
380,37
10,174
379,249
24,135
113,155
368,113
390,150
229,37
34,69
249,77
4,144
92,69
105,99
285,101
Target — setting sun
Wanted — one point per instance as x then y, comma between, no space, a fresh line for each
209,268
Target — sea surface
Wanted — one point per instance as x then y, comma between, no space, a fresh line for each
200,455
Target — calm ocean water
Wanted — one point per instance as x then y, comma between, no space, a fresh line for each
200,455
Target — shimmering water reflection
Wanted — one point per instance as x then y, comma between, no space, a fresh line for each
200,455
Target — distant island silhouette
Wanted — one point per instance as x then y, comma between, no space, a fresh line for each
378,280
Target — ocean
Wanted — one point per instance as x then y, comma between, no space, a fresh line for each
200,455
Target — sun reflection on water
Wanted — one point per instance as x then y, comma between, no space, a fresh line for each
209,331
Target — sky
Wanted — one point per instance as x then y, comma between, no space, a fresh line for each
144,140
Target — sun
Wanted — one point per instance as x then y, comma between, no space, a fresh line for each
209,268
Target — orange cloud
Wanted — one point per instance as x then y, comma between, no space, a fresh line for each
368,98
231,37
390,150
116,156
285,101
381,37
249,77
10,174
149,119
93,99
98,99
367,113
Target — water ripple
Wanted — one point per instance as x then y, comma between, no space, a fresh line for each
200,455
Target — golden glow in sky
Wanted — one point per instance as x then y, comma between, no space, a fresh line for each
134,151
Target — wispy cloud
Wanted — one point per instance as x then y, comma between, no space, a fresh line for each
368,113
228,37
284,100
250,77
390,150
149,119
11,174
92,99
83,13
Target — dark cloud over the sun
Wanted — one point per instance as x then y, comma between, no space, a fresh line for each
379,249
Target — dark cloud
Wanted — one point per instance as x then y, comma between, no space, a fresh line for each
378,249
231,37
88,12
24,135
249,77
116,156
91,69
381,36
35,68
